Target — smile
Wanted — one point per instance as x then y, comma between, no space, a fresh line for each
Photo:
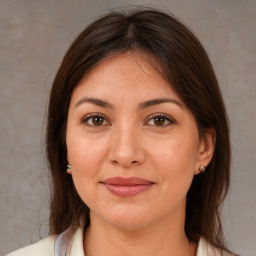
127,187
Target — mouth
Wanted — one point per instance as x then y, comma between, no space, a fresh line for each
127,187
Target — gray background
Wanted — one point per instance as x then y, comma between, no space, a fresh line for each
34,36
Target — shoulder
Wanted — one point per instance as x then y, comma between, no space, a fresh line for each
41,248
45,247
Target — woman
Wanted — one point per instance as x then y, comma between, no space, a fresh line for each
137,119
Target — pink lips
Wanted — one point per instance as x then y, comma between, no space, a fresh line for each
126,187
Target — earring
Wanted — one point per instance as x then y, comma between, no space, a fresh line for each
68,168
201,168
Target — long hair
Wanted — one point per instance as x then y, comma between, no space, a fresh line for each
184,64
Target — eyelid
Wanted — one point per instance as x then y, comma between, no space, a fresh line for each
170,119
87,117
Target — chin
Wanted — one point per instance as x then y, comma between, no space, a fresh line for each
129,225
128,219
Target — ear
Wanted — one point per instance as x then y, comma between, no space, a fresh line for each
205,149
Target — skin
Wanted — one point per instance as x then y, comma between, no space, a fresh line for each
130,142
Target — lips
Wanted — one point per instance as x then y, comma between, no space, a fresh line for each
127,187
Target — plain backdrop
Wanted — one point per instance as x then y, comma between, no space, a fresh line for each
34,35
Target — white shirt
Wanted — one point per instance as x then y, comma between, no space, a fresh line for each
45,247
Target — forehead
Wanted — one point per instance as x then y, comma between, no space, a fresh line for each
128,74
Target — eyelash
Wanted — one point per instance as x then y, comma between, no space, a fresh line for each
165,117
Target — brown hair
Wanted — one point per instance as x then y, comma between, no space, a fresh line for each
185,65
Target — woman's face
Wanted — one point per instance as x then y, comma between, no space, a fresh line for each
132,144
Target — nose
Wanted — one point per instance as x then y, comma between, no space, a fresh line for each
126,147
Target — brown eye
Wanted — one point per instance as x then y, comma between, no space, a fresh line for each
94,120
159,120
97,120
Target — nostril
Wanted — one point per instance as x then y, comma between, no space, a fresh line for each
125,165
115,162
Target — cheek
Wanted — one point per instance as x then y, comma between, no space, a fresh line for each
86,157
178,153
85,152
175,161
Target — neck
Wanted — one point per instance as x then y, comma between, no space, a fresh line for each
162,240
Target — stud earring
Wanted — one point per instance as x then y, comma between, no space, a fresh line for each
68,168
201,168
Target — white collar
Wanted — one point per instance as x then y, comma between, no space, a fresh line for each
202,248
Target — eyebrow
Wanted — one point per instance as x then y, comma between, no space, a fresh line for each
141,106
